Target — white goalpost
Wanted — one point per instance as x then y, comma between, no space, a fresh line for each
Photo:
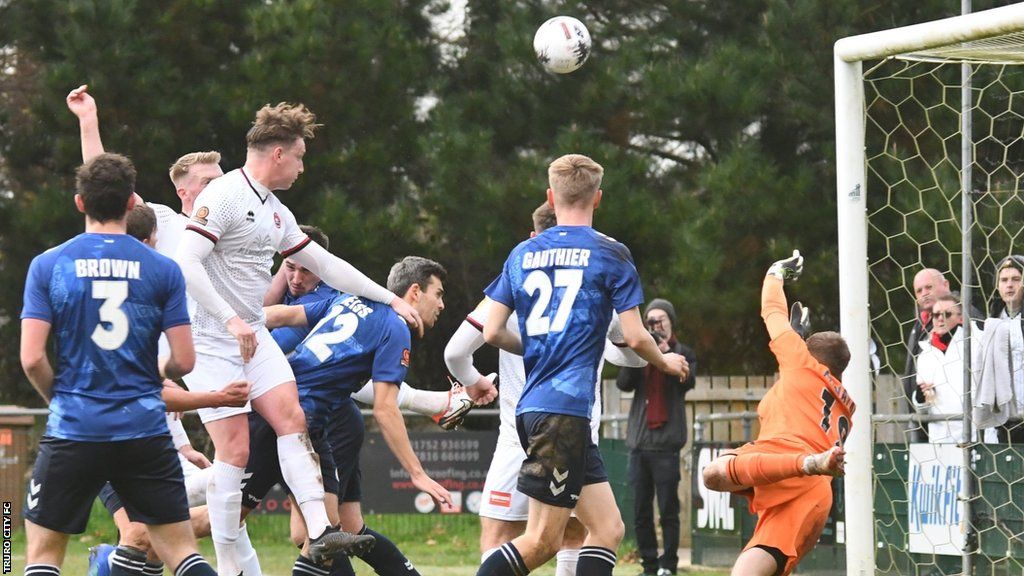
909,168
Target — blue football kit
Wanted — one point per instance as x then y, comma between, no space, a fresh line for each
563,285
108,298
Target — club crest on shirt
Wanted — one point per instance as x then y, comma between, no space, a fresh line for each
405,357
277,220
200,215
250,217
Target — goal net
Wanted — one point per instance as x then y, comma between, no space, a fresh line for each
930,159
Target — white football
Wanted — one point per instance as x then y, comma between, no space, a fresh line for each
562,44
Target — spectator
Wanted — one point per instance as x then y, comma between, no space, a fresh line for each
655,435
1008,307
929,285
940,372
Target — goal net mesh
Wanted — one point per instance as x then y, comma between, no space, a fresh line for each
914,205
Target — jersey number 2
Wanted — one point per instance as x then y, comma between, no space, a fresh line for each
113,293
538,283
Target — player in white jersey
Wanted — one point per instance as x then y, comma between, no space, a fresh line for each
504,509
236,227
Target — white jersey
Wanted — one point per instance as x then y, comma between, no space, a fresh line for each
170,225
512,378
248,224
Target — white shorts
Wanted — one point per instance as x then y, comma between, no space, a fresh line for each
501,500
218,362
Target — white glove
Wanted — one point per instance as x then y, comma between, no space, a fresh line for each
788,269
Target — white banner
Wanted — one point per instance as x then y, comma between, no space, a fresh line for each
715,511
934,510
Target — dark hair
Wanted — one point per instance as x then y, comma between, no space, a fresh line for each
544,218
105,184
316,235
141,222
413,270
830,349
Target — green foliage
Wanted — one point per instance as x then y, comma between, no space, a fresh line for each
713,120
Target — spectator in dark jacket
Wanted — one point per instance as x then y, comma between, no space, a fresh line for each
656,433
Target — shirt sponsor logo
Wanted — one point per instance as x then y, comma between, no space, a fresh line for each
200,215
277,220
250,217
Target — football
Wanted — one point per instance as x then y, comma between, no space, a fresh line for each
562,44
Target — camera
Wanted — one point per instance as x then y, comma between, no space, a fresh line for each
658,338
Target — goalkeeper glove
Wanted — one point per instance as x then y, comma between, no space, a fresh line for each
788,269
800,319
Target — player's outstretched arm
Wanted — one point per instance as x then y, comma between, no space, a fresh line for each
234,395
34,360
82,105
640,340
282,315
343,276
496,332
183,353
774,309
392,426
458,357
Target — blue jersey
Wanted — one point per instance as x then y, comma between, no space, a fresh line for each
108,297
563,285
352,340
288,337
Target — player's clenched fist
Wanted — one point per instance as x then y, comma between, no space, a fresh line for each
788,269
80,102
675,365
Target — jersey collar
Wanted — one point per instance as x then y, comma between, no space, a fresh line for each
261,191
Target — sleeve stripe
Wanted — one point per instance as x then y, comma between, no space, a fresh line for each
209,236
620,344
472,322
296,248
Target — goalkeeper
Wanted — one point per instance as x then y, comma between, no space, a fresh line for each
805,418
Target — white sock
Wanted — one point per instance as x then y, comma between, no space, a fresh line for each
365,394
247,554
487,554
300,468
196,484
425,402
566,562
224,501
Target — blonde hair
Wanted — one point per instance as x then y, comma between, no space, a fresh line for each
281,125
574,178
182,165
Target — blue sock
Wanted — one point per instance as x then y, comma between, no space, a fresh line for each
342,566
305,567
385,558
506,561
194,565
595,561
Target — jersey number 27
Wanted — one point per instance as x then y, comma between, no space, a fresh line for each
539,284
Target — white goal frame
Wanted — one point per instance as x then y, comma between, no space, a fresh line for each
851,162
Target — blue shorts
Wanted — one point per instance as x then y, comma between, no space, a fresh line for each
561,458
263,469
68,475
345,434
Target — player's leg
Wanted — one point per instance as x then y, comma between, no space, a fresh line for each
447,408
217,363
344,436
65,481
148,478
642,481
665,471
599,513
759,561
567,558
748,467
503,509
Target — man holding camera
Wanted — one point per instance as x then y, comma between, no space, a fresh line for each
655,435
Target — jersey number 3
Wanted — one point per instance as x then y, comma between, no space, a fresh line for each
113,293
539,284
